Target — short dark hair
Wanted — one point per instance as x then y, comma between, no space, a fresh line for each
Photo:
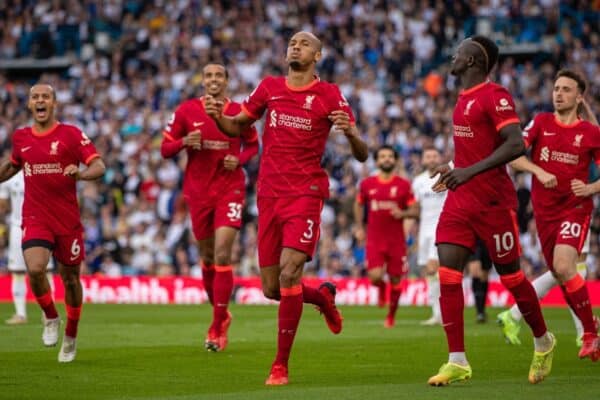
569,73
385,147
490,51
430,147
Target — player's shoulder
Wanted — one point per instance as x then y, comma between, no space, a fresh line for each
588,126
21,132
189,105
67,128
401,180
272,80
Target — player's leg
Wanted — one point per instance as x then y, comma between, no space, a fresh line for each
206,247
17,268
581,270
499,231
69,275
479,280
202,216
429,258
397,267
223,283
376,275
375,270
36,253
69,255
433,291
19,294
577,296
453,258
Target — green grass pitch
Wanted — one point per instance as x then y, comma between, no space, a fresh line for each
156,352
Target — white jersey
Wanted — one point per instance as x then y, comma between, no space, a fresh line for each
14,189
431,203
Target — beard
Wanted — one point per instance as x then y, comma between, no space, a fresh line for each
295,65
387,168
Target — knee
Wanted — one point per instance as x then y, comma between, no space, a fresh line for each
70,280
563,271
271,292
222,256
290,274
376,277
36,272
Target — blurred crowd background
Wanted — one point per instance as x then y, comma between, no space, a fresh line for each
120,68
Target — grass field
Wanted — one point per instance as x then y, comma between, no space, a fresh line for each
156,352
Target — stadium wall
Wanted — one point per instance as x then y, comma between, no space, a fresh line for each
177,290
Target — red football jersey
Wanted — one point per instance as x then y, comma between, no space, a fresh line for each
565,151
205,173
295,133
381,197
480,113
50,196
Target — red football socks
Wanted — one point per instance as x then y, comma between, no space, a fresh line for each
452,304
382,293
222,287
73,314
394,298
526,300
290,310
208,276
312,296
45,301
576,294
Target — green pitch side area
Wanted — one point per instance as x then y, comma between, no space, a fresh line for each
156,352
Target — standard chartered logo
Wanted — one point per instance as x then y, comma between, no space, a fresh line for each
289,121
273,117
545,154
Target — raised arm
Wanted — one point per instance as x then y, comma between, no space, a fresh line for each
94,170
231,126
341,121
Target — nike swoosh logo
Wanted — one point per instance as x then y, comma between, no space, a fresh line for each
73,258
503,254
549,134
197,124
276,97
305,241
24,149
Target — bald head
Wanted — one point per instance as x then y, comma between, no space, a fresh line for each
43,88
315,42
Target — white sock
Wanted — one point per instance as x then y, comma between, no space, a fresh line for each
433,284
19,292
542,344
459,358
581,270
542,285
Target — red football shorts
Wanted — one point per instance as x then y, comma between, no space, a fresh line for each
292,222
571,230
388,254
497,228
211,213
67,249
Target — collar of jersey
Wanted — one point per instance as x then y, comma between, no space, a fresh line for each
563,125
45,133
476,87
305,87
383,180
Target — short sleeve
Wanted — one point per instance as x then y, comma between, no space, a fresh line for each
410,196
501,108
339,102
415,188
530,133
256,103
597,146
175,128
361,197
4,191
15,155
86,151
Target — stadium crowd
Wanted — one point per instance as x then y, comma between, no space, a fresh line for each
133,61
